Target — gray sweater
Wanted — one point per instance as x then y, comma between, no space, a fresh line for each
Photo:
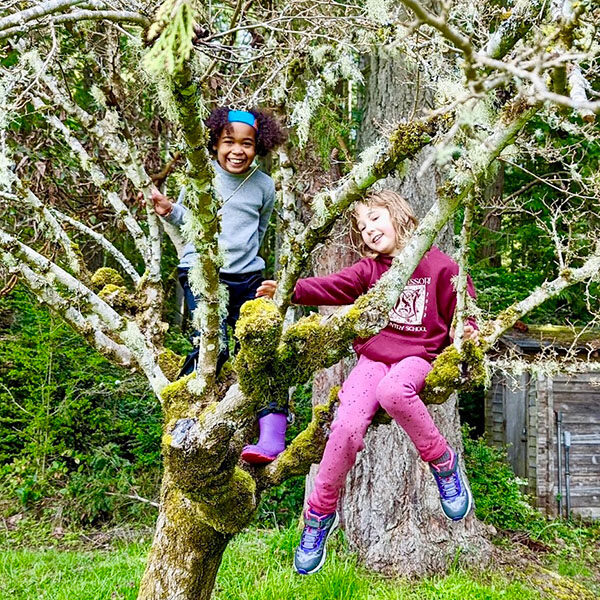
245,215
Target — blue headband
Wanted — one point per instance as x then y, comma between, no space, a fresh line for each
241,116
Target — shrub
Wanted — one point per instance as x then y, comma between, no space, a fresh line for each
499,499
74,429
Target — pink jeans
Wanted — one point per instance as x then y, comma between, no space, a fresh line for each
370,385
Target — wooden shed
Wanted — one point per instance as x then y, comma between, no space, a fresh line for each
551,424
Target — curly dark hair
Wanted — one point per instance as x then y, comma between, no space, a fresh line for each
269,135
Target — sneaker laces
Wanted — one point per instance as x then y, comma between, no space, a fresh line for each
449,486
310,537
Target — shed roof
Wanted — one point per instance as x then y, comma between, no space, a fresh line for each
531,338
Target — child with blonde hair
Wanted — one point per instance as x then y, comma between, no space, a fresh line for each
392,365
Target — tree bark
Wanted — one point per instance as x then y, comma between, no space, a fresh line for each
186,553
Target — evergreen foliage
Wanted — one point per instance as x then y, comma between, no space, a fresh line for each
74,429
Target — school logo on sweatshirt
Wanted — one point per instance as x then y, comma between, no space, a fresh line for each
411,306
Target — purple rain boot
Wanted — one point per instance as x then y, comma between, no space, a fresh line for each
271,441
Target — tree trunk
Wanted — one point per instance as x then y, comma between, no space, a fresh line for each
492,195
390,507
186,553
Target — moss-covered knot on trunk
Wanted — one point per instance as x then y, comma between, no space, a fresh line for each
258,329
118,297
230,508
178,402
105,275
198,458
453,371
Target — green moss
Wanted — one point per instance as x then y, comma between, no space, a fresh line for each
454,371
556,586
406,141
117,296
105,276
258,329
170,363
186,519
307,447
564,335
232,509
177,400
261,375
309,345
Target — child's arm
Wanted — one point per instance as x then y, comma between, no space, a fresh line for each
173,212
265,215
337,289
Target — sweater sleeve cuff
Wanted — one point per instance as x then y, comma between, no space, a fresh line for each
175,217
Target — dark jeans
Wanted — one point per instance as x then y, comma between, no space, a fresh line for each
241,287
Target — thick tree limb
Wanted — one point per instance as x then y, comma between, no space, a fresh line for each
202,227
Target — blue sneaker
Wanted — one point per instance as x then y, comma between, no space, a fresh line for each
311,553
455,495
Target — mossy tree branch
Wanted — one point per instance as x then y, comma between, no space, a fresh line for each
376,163
522,18
203,225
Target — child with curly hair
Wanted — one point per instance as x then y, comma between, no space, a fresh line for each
236,138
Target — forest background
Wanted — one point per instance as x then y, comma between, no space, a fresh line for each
80,438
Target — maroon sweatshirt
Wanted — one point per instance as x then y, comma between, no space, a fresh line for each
420,322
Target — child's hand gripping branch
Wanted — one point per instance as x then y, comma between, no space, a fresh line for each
162,205
469,333
392,365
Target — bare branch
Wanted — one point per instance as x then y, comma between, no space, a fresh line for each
46,8
52,230
550,289
103,242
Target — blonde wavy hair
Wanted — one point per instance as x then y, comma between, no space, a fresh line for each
402,216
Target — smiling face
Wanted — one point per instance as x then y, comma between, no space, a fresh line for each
236,147
377,229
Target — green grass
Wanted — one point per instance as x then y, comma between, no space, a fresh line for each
68,575
256,566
